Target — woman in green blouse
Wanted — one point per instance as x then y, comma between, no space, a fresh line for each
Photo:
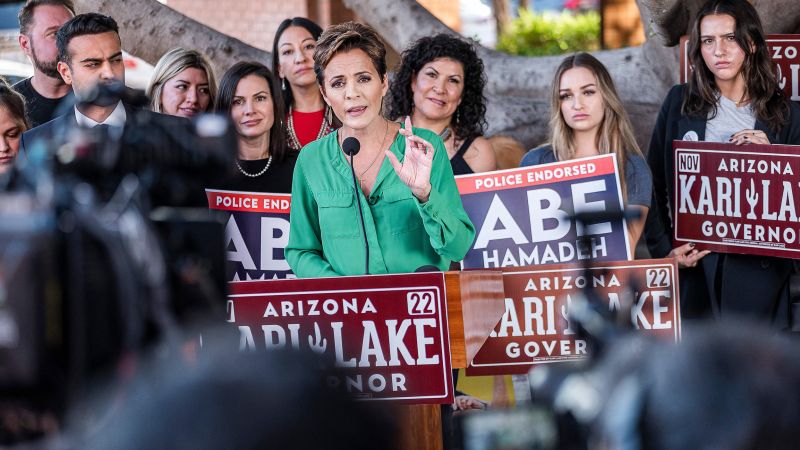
412,211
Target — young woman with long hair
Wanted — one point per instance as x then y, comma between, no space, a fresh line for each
587,118
248,93
183,84
308,118
732,96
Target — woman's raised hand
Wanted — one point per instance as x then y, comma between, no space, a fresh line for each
415,170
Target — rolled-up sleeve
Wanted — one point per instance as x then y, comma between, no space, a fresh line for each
446,223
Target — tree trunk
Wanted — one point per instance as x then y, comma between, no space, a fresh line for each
148,29
518,88
501,16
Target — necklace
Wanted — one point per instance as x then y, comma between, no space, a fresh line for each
377,156
251,175
294,142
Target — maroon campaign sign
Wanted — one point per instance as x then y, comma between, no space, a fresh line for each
785,52
256,232
738,199
535,330
522,216
388,334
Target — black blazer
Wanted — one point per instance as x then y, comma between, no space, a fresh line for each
750,284
166,191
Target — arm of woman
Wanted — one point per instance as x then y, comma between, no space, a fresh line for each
447,224
304,250
426,170
636,226
484,159
658,230
639,186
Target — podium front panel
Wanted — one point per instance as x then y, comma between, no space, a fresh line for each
388,334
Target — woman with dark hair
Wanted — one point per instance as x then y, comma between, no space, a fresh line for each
440,85
12,124
248,93
308,118
587,118
412,212
731,96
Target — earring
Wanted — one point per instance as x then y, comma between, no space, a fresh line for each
283,83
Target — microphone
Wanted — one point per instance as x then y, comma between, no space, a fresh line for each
351,146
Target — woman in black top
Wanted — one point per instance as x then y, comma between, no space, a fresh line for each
731,96
440,85
249,93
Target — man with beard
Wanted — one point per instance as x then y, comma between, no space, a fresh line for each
90,56
39,20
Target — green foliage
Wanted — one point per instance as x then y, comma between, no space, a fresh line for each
534,34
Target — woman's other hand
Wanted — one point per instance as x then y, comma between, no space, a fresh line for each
687,255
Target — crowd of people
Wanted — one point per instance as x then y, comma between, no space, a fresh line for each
328,85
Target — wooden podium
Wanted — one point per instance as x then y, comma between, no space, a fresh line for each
399,336
475,304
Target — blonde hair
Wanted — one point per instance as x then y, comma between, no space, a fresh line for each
171,64
615,134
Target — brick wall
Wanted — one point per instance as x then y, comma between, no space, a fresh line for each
251,21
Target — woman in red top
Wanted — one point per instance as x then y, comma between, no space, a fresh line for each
307,118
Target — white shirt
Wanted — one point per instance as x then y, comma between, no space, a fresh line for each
730,119
116,119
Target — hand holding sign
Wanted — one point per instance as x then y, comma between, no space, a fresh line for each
686,255
415,170
749,137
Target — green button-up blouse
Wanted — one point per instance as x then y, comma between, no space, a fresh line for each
403,234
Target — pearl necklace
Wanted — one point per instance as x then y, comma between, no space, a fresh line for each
269,161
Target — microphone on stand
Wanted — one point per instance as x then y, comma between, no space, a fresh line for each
351,146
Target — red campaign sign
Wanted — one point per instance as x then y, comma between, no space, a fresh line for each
785,52
388,334
535,330
738,199
256,233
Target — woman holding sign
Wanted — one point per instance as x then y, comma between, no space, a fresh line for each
412,213
588,119
249,94
732,96
440,85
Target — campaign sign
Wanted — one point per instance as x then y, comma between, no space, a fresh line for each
535,328
388,334
785,52
738,199
256,232
523,216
